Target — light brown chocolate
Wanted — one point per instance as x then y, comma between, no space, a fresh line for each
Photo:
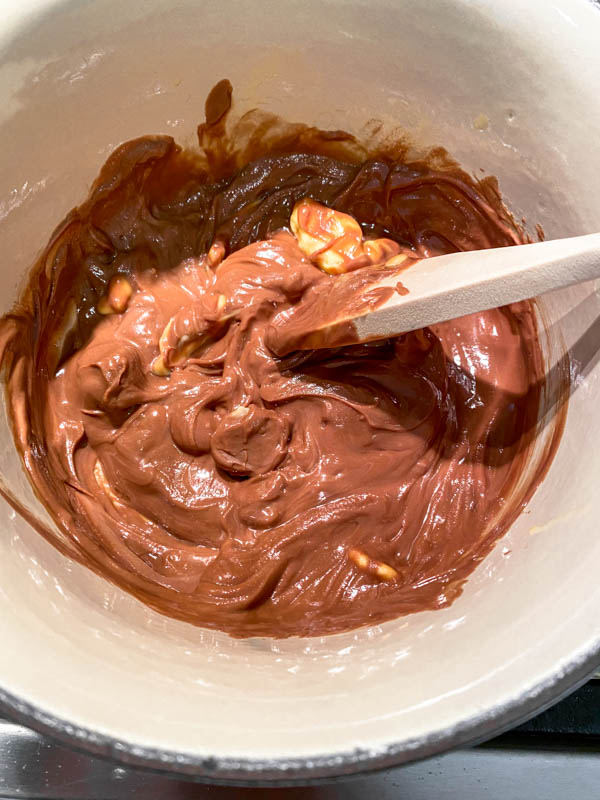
229,487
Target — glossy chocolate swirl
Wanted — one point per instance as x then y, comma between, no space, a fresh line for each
234,489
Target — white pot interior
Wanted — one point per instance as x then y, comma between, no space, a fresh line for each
78,78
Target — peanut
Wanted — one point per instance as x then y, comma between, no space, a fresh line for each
377,568
173,354
103,484
382,250
117,297
216,254
401,260
239,412
159,368
163,341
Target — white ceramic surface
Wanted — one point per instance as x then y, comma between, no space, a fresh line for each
510,88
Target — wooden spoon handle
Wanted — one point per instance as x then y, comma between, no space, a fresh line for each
446,287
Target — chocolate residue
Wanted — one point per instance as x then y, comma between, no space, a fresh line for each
234,489
218,102
309,323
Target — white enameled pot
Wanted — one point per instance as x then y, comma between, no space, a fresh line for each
510,88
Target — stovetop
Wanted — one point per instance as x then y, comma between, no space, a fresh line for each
553,756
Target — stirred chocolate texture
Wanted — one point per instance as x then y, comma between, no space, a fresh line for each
221,484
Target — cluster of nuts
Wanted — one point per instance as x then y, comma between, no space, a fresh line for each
333,241
376,568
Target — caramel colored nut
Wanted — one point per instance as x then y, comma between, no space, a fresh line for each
163,341
171,356
117,297
159,368
329,238
401,260
239,412
175,349
377,568
174,354
216,254
382,250
385,572
103,484
186,347
104,306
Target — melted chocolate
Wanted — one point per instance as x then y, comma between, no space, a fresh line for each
236,490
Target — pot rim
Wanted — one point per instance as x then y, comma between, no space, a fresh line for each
311,769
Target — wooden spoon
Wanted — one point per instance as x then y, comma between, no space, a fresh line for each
437,289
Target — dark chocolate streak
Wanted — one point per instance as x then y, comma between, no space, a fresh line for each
407,450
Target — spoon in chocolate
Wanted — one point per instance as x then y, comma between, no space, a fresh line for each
422,292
